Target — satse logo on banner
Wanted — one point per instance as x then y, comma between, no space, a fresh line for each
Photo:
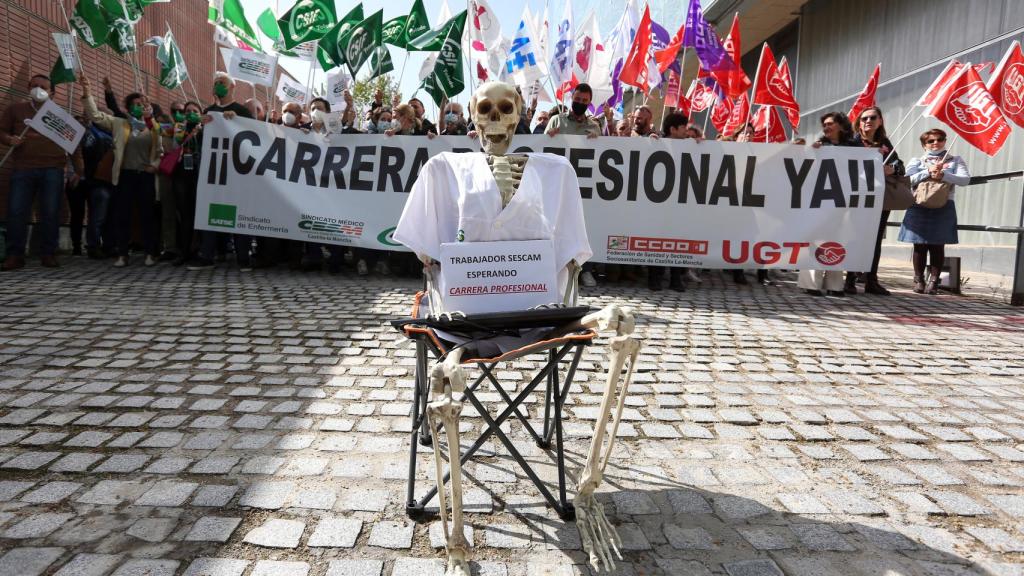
57,125
253,67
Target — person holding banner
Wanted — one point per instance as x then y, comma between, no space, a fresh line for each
836,131
37,164
224,94
137,151
930,229
576,121
870,133
417,107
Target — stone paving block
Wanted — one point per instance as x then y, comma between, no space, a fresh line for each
269,495
1012,504
141,567
216,567
37,525
821,537
279,568
214,495
418,567
388,534
682,538
355,568
89,565
167,493
28,561
752,568
51,492
212,529
276,533
30,460
336,532
122,463
9,489
112,492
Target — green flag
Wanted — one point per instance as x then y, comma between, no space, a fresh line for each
89,22
434,40
447,78
416,23
361,42
329,51
393,30
307,20
130,10
60,74
380,62
122,36
268,24
229,15
172,65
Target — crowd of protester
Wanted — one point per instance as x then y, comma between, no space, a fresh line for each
135,175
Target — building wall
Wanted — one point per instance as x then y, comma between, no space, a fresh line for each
26,48
839,45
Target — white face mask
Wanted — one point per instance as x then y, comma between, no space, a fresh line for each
318,116
38,94
288,118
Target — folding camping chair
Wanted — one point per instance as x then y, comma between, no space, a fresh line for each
566,341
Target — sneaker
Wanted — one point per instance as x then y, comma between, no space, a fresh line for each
121,262
150,261
692,276
200,264
361,268
587,279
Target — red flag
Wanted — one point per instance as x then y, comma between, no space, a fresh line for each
720,114
700,96
866,99
966,106
768,126
739,114
770,86
735,81
672,91
667,55
634,69
792,114
683,105
947,74
1007,84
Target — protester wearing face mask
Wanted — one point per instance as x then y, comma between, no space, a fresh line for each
453,123
405,123
225,103
318,111
291,113
380,121
137,150
38,171
165,186
575,121
185,180
98,157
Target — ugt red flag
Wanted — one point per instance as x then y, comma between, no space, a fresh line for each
792,114
768,126
1007,84
701,97
966,106
866,99
738,116
735,81
634,69
720,114
770,85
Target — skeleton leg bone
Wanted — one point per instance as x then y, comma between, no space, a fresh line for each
447,381
599,538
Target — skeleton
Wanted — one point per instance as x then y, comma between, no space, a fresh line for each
495,109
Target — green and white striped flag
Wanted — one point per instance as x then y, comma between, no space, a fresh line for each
230,15
307,20
173,72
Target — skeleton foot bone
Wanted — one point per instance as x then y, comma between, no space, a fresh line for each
448,380
599,537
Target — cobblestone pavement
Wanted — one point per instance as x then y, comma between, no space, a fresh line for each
157,422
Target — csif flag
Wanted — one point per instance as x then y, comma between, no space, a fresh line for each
172,64
416,23
380,62
770,85
361,42
307,20
966,106
433,40
866,98
230,15
330,50
392,32
447,79
635,70
88,21
1007,84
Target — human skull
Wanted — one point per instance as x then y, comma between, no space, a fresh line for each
495,108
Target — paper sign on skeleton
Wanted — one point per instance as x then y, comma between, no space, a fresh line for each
474,197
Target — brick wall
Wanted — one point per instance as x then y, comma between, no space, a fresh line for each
26,48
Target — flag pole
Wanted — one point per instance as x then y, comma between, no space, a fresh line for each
74,49
11,149
714,103
188,75
753,89
906,116
664,93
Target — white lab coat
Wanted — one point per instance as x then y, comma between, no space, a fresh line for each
456,199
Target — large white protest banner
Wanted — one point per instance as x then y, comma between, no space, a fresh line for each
253,67
664,202
56,124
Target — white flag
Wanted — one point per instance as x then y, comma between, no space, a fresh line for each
484,28
227,54
289,90
253,67
523,64
587,39
53,122
337,82
66,48
561,60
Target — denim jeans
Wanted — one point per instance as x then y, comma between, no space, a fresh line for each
46,184
99,206
135,187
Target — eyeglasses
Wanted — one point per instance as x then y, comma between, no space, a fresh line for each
868,118
934,140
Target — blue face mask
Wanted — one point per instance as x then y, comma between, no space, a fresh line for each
451,118
383,126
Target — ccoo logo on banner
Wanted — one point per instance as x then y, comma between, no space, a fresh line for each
665,202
